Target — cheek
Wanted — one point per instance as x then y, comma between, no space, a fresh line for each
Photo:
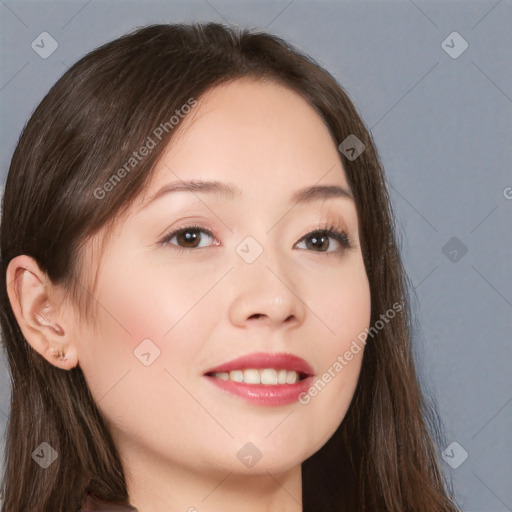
144,301
341,302
143,355
141,323
345,304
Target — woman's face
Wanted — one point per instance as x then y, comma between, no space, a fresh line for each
173,309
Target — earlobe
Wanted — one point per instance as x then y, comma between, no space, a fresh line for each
33,299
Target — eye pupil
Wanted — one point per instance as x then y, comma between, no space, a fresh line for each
319,241
189,235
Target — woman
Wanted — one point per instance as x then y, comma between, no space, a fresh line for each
203,304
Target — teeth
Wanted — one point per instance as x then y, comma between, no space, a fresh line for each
236,375
252,376
267,376
291,377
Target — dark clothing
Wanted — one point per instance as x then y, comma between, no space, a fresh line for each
91,503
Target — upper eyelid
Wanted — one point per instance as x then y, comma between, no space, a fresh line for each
319,226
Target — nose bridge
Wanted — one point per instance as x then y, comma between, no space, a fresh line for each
265,287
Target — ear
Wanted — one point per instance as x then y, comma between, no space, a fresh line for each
38,306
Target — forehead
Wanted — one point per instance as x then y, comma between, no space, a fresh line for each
258,135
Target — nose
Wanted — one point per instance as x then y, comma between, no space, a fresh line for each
265,294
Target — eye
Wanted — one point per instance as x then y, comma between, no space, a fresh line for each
189,236
319,239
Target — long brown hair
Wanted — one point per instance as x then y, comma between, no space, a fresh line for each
384,455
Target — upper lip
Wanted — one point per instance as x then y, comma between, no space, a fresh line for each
279,361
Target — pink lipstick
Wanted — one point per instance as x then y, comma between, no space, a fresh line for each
264,378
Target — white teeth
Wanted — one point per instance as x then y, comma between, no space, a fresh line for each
291,377
267,376
236,375
252,376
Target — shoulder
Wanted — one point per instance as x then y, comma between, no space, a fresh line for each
91,503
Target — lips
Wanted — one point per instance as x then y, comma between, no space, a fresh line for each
263,378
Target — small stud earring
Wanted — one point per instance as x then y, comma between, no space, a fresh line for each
57,353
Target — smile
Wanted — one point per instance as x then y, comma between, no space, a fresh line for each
263,378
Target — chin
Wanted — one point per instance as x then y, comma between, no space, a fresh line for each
260,457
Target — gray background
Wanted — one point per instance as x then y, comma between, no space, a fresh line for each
443,128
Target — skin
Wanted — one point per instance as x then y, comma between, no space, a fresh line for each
179,435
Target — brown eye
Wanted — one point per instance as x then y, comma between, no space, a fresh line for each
189,237
318,241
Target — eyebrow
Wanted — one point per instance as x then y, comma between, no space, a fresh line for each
302,196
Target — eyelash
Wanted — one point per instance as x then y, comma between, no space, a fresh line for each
330,230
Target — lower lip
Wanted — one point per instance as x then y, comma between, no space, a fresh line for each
263,394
